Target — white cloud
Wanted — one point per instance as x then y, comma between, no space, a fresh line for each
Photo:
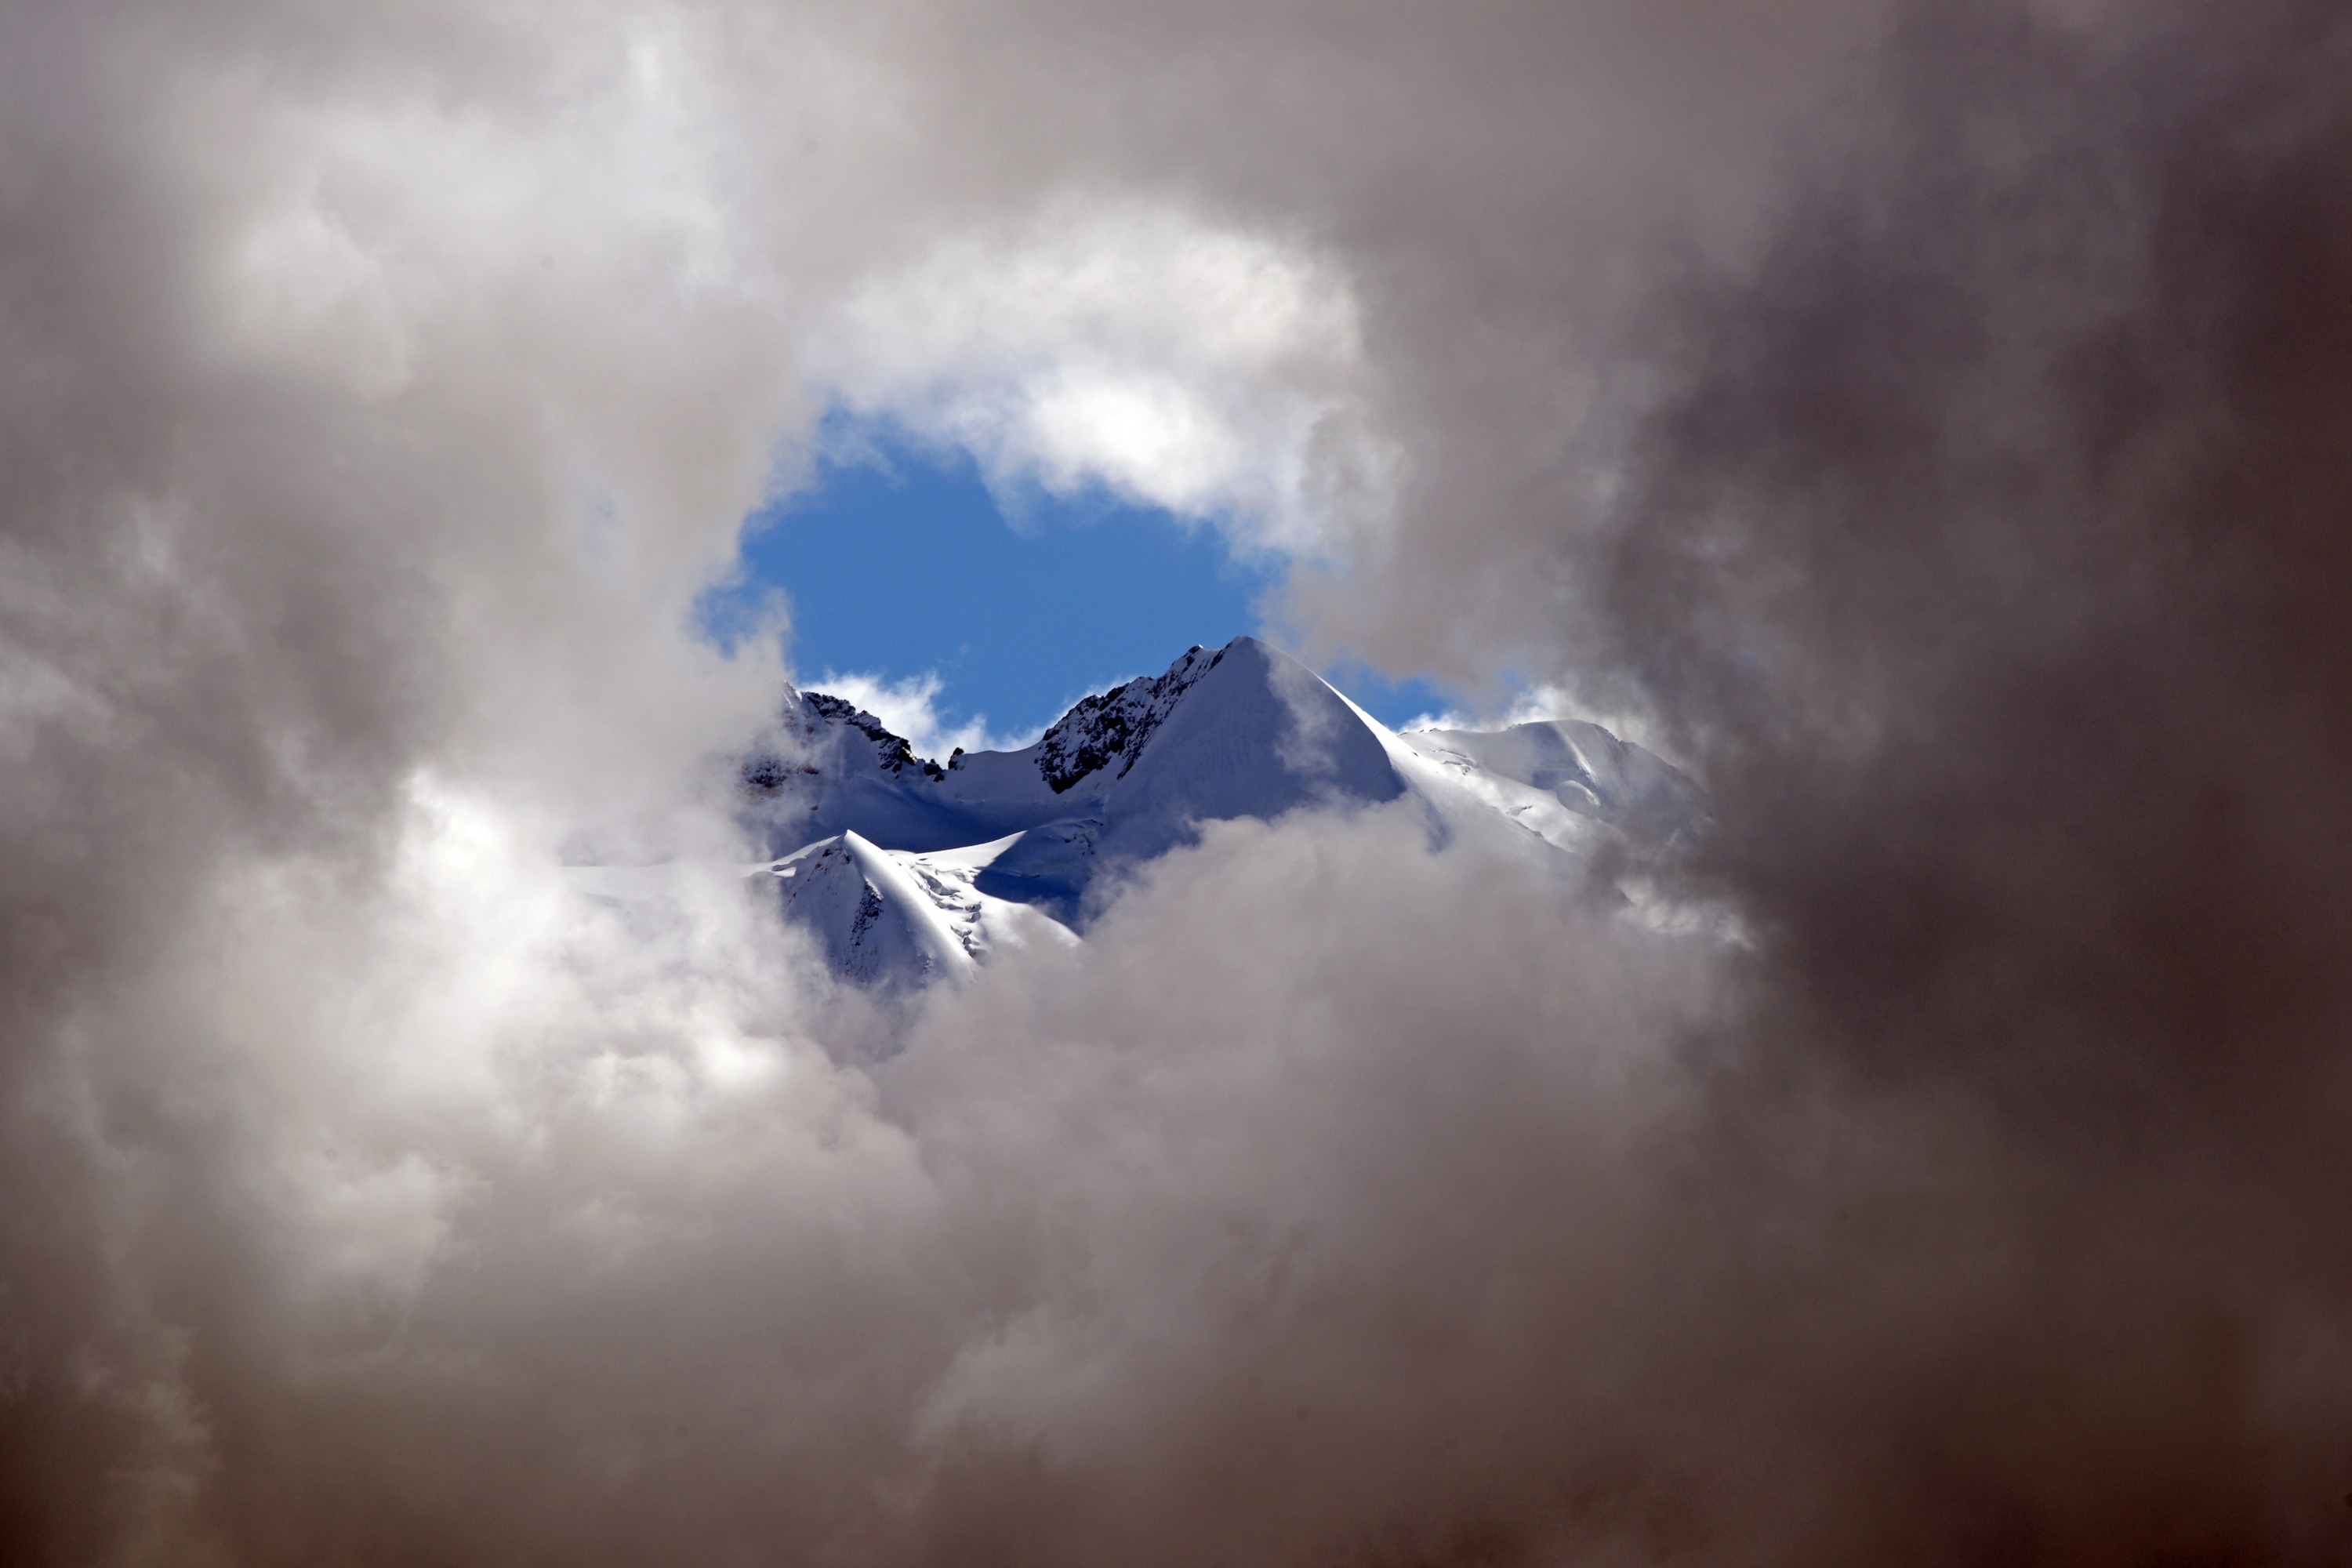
1548,700
1528,705
909,707
1179,363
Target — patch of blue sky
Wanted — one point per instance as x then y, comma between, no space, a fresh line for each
899,562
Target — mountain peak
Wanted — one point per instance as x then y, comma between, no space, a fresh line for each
905,850
1112,726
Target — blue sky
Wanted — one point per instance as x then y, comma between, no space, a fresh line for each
897,561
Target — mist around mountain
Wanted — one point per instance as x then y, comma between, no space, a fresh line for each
908,869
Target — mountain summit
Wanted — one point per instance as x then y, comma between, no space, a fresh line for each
908,869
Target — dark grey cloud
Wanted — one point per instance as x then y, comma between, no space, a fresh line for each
1931,424
1988,557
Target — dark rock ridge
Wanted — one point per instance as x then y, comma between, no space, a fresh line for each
1116,724
892,754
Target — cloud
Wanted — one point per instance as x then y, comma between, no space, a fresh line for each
1180,363
1955,479
1530,705
905,707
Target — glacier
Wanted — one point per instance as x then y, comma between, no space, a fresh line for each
909,871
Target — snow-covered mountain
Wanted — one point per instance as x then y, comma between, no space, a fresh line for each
908,869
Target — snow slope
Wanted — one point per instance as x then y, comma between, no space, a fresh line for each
892,919
908,870
1581,765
